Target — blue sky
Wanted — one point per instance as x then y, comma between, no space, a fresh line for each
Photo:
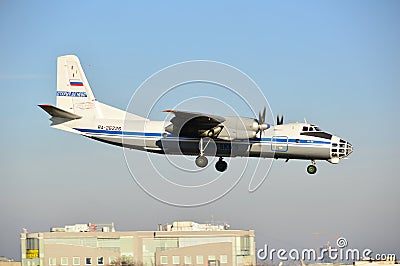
336,63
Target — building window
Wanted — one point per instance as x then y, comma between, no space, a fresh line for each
76,260
245,245
223,259
52,261
100,261
199,260
88,261
64,261
175,259
188,260
211,257
111,260
164,259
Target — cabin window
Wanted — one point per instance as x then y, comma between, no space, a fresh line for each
305,128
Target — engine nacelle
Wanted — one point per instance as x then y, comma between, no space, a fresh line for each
232,128
239,128
212,132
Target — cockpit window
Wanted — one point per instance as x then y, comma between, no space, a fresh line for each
315,132
311,128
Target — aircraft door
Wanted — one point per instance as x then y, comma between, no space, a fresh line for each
279,143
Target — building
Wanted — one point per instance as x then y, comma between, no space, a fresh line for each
180,243
8,262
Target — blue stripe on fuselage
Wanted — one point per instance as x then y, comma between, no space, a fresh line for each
118,132
157,134
301,141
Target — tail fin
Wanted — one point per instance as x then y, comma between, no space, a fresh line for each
73,90
75,96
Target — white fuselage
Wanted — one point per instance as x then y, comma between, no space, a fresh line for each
288,141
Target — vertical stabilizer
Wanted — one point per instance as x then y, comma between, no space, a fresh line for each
73,90
75,96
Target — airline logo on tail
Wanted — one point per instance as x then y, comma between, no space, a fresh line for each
72,93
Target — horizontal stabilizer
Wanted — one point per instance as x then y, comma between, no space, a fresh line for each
57,112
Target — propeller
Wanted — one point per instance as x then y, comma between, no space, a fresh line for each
279,120
261,121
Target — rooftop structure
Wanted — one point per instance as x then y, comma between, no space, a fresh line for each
89,227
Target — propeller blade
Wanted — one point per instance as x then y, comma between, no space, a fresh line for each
261,121
263,115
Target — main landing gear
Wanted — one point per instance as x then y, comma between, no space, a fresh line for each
221,165
202,161
312,168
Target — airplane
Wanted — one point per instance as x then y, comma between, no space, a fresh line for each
187,133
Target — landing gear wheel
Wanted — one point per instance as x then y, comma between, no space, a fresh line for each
221,165
201,161
311,169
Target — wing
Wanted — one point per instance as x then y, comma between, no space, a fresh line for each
189,124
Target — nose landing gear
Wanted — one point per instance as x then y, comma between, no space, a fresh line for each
312,168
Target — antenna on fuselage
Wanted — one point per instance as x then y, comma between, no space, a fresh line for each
279,120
